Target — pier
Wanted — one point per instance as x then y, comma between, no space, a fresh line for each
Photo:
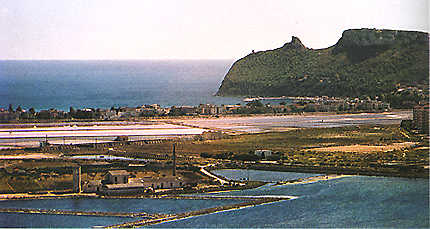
82,213
145,219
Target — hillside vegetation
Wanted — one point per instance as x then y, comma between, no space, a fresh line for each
390,64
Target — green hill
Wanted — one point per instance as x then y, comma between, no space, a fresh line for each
390,64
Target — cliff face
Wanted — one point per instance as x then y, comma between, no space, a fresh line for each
363,62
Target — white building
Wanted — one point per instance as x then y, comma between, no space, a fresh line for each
263,153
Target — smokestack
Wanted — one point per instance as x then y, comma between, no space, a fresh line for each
77,179
174,160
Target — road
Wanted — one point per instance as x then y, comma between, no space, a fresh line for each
204,171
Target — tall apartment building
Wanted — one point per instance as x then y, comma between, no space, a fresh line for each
421,118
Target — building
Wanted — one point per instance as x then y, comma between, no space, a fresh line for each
164,183
116,182
92,186
126,112
421,118
118,189
8,116
117,177
264,153
231,109
107,114
210,109
183,110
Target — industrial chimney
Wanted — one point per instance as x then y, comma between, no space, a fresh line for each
174,161
77,179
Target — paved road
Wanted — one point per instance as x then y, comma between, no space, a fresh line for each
222,181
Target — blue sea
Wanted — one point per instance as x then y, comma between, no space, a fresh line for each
355,201
103,84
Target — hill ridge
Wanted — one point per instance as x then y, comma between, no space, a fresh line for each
364,62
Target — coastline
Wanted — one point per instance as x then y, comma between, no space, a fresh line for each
146,219
311,179
332,170
328,175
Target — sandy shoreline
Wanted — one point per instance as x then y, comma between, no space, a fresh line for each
312,179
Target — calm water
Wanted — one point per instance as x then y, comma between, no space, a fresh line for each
104,205
258,175
62,221
61,84
356,201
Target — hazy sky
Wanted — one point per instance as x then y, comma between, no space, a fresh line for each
188,29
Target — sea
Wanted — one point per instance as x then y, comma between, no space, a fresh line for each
352,201
62,84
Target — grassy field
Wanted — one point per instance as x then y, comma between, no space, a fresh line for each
389,145
293,140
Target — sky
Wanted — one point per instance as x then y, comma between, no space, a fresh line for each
189,29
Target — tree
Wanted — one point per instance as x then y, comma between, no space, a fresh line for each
19,109
255,103
246,157
31,110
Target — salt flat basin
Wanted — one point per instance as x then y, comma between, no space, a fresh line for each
73,123
106,157
35,156
94,127
255,124
99,131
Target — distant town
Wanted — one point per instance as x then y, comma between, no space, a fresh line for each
253,106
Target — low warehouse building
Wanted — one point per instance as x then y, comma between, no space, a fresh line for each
264,153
